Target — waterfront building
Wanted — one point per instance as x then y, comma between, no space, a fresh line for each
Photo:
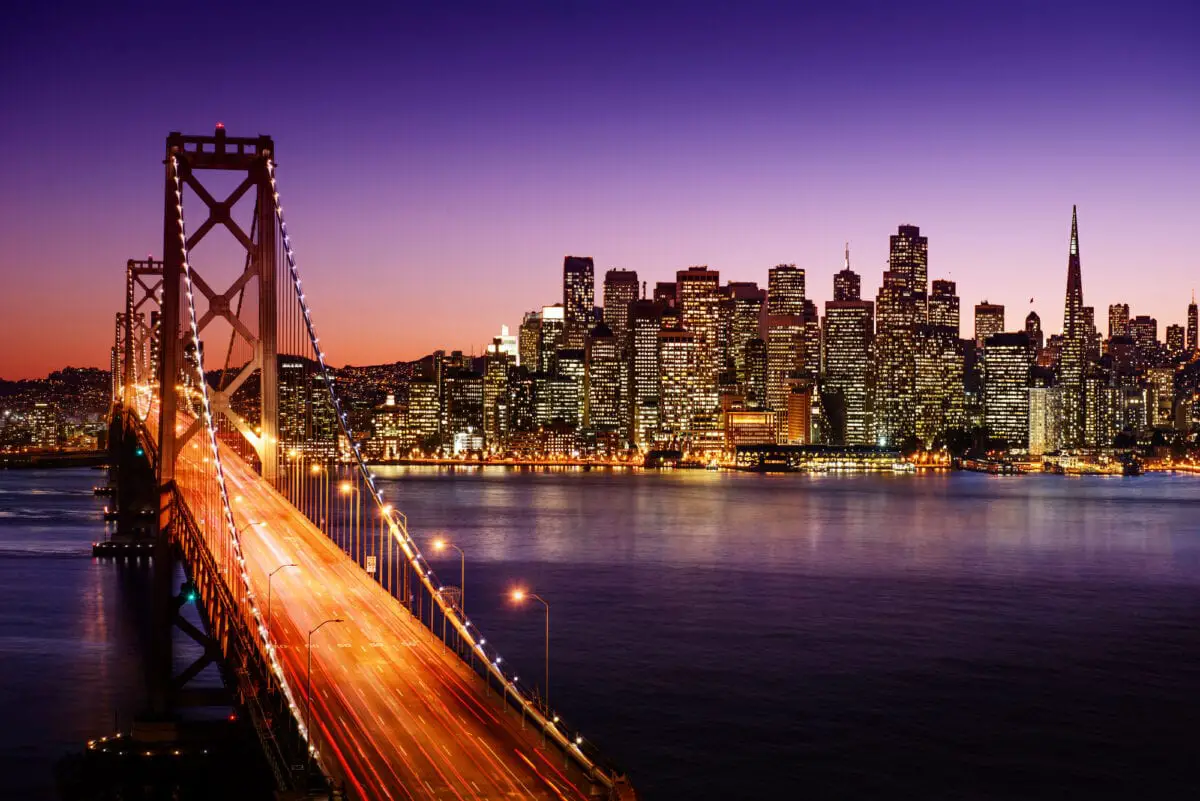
698,299
44,426
1006,363
849,331
785,361
463,390
645,319
678,383
756,374
989,320
938,385
603,381
1045,419
424,416
785,290
390,435
579,300
896,315
749,427
497,365
799,412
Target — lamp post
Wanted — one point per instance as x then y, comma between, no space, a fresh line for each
518,596
308,679
440,545
347,488
270,576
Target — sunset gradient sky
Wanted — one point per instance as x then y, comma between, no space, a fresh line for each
436,165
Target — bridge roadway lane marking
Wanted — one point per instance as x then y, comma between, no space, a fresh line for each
332,585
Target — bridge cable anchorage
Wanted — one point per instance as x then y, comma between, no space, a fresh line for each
398,528
210,427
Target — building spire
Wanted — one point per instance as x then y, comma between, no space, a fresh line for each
1074,233
848,260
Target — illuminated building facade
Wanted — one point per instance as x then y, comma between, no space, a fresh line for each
1006,363
849,330
1045,419
678,382
1072,356
579,300
908,253
1118,320
603,381
785,354
989,320
645,320
896,315
785,290
698,300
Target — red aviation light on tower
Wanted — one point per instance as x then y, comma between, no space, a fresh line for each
220,126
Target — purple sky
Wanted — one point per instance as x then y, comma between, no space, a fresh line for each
436,167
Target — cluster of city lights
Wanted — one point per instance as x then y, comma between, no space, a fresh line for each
399,529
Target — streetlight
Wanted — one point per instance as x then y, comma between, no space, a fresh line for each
347,488
441,544
520,595
270,576
308,679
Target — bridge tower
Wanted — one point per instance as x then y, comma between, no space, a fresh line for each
196,155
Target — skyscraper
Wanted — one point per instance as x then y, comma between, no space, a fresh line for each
785,362
645,320
579,300
847,285
849,330
495,389
603,397
1075,341
1118,320
1033,330
1192,343
529,337
621,288
896,314
1175,339
678,382
785,289
1007,359
551,337
698,299
909,259
989,320
746,303
944,305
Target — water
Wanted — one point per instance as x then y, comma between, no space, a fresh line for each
729,636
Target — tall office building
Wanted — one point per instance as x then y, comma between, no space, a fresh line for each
1192,343
664,293
745,304
909,259
944,305
551,337
1175,339
621,289
785,362
1045,414
579,300
529,337
678,382
1118,320
1033,330
755,387
785,289
572,366
849,330
645,320
1144,331
1072,357
938,366
603,381
1007,360
497,364
989,320
847,285
896,316
424,414
698,299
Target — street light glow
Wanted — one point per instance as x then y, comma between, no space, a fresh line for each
518,595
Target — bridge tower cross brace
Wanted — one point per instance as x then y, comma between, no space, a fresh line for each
251,156
143,286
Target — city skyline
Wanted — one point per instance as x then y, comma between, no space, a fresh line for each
452,188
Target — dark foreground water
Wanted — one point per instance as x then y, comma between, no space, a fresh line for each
728,636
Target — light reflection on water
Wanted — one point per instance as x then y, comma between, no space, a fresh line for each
852,636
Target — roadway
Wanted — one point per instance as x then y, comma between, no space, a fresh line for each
397,715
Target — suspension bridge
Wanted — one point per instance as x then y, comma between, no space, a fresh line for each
360,670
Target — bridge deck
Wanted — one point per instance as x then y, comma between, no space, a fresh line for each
399,716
